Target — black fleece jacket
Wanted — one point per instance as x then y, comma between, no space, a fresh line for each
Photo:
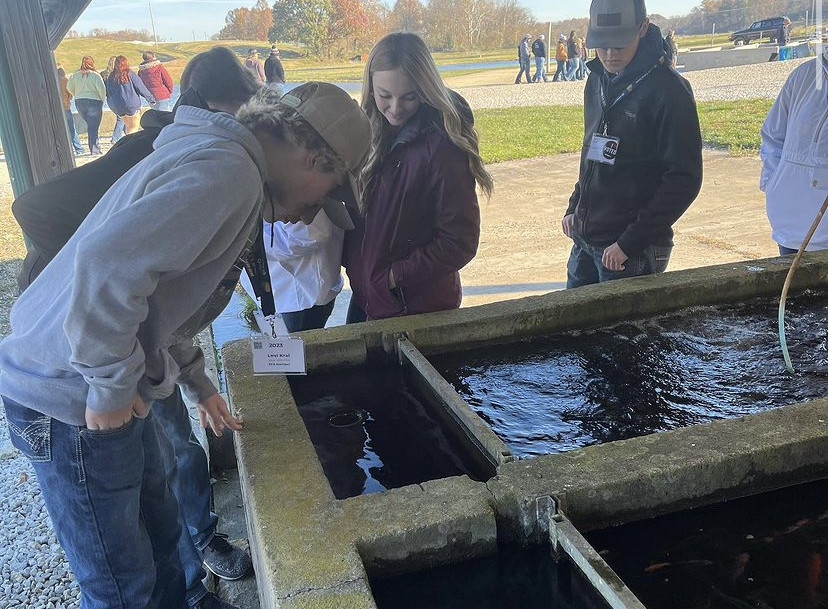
658,168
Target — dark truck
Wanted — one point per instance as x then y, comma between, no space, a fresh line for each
766,28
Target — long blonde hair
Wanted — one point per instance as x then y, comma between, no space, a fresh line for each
408,53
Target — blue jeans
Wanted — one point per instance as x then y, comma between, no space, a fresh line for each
540,69
189,477
73,133
110,505
308,319
91,111
786,251
560,73
571,68
585,267
119,130
524,67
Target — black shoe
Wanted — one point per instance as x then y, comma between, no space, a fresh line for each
211,601
225,560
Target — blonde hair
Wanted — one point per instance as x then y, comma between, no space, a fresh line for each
408,53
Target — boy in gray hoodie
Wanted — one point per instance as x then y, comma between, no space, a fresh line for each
108,326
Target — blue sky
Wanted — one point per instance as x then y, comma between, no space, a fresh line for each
188,19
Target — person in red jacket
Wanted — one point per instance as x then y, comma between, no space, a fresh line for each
156,78
419,221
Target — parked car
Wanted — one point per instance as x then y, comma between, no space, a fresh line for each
767,28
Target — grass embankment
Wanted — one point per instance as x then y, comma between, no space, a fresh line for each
520,133
299,66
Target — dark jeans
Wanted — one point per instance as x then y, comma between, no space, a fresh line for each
309,319
585,267
355,315
786,251
114,515
91,111
524,67
189,478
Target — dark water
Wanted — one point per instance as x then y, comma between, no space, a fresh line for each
230,325
633,379
372,433
763,552
530,579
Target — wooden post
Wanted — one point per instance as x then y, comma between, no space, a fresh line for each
35,130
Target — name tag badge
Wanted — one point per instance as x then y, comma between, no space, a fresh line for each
603,149
281,355
275,352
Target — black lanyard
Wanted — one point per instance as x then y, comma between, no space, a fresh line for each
627,90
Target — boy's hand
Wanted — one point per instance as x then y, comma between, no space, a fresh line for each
614,257
101,421
214,411
567,224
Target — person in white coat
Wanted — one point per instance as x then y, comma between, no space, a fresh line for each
304,262
795,157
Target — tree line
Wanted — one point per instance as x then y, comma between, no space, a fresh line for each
339,28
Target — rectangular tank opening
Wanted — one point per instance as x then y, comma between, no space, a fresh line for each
374,429
630,379
768,550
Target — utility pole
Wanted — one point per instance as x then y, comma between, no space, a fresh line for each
152,21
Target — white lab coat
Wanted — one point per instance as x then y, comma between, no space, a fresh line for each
795,157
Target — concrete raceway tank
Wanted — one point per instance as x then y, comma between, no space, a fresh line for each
374,465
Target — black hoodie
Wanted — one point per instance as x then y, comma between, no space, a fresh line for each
658,168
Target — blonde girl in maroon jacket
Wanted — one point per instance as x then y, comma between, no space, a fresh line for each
420,221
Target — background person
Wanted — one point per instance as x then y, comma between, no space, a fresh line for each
539,50
157,81
641,162
561,58
274,70
783,34
794,156
573,54
672,47
254,64
87,87
66,97
124,90
118,130
524,59
420,221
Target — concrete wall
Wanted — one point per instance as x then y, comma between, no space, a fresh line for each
723,57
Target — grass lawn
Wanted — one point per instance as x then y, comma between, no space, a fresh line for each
521,133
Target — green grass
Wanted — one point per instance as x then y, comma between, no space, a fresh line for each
522,133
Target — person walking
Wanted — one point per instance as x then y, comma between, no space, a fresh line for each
254,64
573,54
561,57
583,71
87,87
119,128
419,222
794,154
124,90
641,160
783,34
107,328
672,47
67,111
539,51
274,70
157,81
524,51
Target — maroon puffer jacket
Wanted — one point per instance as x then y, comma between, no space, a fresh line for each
421,219
156,79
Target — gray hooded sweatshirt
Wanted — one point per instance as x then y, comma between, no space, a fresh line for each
114,314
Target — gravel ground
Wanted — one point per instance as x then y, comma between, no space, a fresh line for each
33,570
761,80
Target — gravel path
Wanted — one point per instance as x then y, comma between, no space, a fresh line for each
719,84
33,570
